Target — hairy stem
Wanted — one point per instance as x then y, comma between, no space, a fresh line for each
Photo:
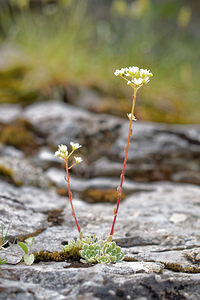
70,196
119,190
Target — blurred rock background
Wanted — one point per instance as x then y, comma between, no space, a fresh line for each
68,50
57,60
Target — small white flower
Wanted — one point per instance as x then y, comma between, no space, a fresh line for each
144,73
75,146
133,117
77,159
146,80
138,81
120,72
132,70
62,152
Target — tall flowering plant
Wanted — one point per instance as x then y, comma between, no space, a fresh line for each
135,78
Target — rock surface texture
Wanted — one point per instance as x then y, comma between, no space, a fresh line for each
158,224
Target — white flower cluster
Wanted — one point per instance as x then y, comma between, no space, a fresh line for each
62,151
75,146
134,76
77,159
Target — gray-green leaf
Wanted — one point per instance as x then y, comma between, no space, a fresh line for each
23,246
30,241
29,259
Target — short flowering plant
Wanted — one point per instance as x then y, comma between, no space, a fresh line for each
63,154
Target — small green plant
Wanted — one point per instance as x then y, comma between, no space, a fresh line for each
3,237
95,250
26,247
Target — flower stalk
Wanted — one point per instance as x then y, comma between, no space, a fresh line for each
63,154
70,196
135,78
119,190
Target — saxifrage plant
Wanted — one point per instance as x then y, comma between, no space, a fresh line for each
92,249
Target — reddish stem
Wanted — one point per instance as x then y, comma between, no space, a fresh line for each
119,190
70,197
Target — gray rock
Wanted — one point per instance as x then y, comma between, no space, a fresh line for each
157,225
131,280
89,99
46,158
9,112
25,209
23,172
11,151
80,185
159,228
157,151
64,123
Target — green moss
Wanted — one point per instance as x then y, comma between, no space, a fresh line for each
18,134
97,195
178,268
73,254
7,175
129,259
12,87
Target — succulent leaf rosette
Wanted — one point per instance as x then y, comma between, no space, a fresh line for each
95,250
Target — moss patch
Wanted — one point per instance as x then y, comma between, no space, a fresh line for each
77,264
73,254
98,195
129,259
12,88
178,268
20,135
7,175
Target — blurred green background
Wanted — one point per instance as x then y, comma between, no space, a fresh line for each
48,46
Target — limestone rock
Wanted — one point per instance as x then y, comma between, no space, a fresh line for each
145,229
9,112
23,172
157,151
